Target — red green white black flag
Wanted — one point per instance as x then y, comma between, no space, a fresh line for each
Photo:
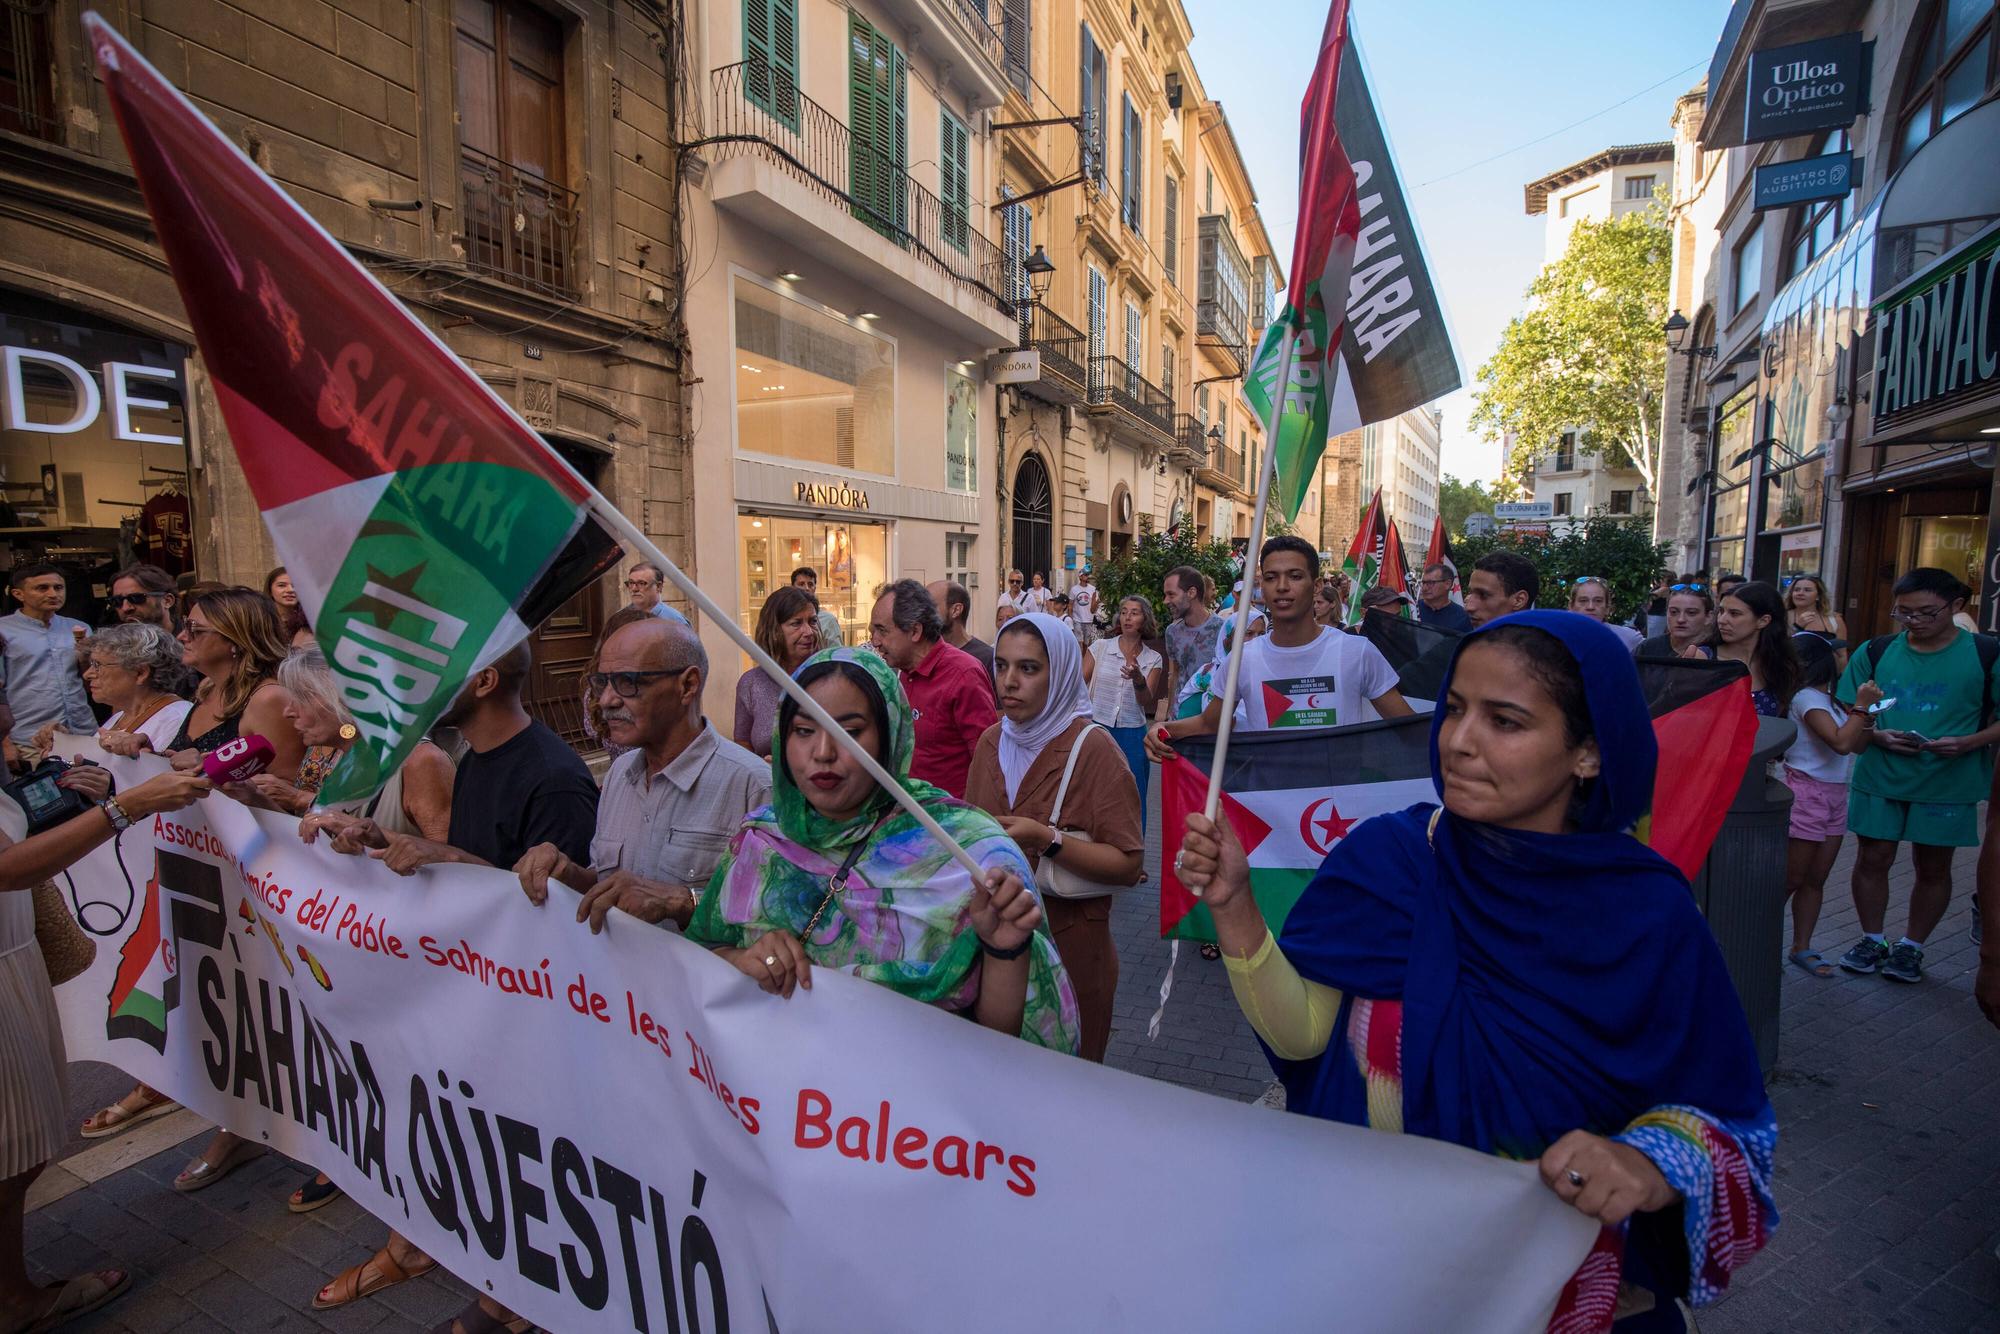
425,525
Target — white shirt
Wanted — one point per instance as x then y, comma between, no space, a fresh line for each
1083,604
1809,755
1627,636
1035,599
159,729
1113,701
1018,601
1327,683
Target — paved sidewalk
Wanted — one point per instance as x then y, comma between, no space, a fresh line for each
1888,1102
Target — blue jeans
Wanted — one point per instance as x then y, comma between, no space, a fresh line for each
1132,740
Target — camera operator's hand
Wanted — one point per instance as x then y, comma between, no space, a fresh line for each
90,781
162,793
44,737
185,761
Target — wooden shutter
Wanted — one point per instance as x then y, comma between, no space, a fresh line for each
899,136
1098,333
771,57
1135,327
1170,202
879,139
1127,168
954,180
1016,37
1090,104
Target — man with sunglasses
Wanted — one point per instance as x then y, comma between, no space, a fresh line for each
1015,596
144,594
1927,766
671,802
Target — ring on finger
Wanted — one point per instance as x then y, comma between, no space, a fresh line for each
770,961
1576,1178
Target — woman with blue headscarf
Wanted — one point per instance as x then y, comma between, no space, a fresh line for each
1514,972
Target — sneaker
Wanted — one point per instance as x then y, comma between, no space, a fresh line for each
1867,956
1906,964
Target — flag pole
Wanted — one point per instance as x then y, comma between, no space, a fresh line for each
1251,578
640,544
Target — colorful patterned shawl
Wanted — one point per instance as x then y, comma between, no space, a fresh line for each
903,920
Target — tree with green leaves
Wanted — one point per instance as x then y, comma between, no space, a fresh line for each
1457,500
1587,354
1143,569
1619,550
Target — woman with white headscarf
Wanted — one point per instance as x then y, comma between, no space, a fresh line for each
1077,821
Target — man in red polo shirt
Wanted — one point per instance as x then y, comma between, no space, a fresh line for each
948,689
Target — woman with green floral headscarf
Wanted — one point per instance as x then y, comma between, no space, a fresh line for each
834,874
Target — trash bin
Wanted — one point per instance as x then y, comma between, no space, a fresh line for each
1741,887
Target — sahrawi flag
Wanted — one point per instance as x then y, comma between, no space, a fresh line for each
425,526
1367,329
1292,796
1375,556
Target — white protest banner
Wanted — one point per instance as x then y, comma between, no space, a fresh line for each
621,1131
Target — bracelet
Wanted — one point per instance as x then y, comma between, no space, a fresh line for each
115,813
1004,955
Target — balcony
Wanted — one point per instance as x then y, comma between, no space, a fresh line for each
1140,413
1222,306
1190,447
518,227
1225,471
961,34
1065,357
795,169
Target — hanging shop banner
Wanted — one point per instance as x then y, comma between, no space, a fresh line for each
1828,176
1816,85
620,1131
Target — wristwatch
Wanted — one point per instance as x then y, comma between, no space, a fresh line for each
115,813
1055,843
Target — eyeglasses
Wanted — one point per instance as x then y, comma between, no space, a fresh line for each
1434,583
133,599
1013,581
627,684
638,583
1687,588
190,630
1919,615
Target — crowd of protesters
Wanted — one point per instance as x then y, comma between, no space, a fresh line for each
1034,750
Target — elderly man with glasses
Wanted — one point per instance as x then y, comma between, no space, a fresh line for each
643,582
671,802
1928,764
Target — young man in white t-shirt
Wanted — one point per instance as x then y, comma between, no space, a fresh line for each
1083,608
1302,673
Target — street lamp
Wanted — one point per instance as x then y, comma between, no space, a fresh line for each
1041,272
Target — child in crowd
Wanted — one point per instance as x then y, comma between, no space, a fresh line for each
1816,770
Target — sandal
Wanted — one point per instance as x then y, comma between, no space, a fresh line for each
377,1272
474,1320
200,1174
1211,951
121,1116
315,1194
79,1296
1809,961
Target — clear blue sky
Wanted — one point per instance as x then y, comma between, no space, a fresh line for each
1457,81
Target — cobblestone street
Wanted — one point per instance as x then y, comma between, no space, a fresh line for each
1888,1183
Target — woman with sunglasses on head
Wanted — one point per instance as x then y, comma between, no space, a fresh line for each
1488,970
1750,629
1590,595
1690,622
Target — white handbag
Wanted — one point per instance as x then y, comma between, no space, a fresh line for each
1053,879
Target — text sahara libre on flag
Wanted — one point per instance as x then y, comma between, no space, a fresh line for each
1291,796
1368,330
425,526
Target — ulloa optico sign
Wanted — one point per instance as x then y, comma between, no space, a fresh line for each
1817,85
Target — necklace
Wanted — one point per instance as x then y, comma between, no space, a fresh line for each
838,883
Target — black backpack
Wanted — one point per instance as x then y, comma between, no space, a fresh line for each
1989,653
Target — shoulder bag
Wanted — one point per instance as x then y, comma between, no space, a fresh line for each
1053,879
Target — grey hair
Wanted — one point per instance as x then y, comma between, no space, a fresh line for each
912,608
142,644
305,673
659,575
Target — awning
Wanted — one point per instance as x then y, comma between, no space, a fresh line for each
1946,194
1758,25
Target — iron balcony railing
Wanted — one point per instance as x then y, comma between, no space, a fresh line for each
1227,462
972,18
1191,437
1065,349
759,109
517,225
1119,384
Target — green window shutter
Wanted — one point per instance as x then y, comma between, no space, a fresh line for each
878,97
898,147
771,57
954,181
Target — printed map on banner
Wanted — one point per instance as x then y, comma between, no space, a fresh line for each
621,1131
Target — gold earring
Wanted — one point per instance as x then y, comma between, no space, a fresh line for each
348,731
